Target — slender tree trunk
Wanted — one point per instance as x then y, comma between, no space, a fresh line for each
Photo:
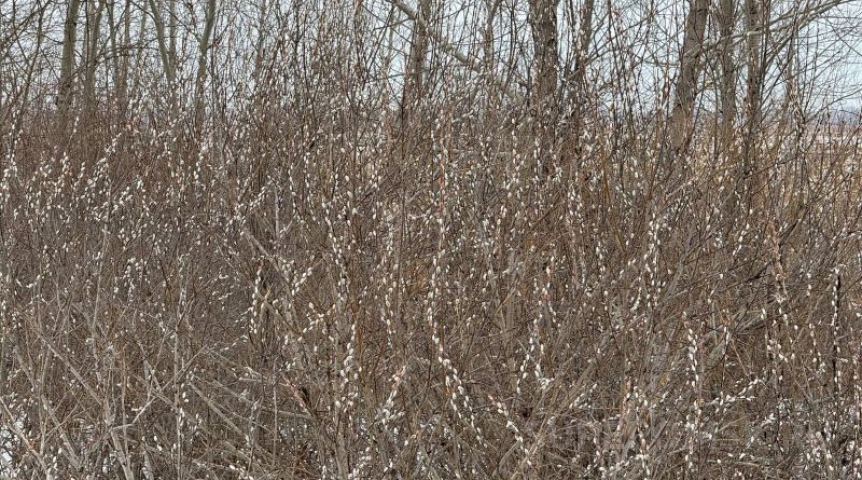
792,75
386,62
727,89
754,20
682,115
585,37
125,55
489,56
67,63
414,84
260,45
114,42
133,81
173,28
543,22
204,51
164,44
91,53
579,76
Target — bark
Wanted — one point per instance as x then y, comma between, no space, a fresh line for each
755,20
727,89
204,50
91,53
543,22
579,76
489,56
113,34
168,60
132,81
682,114
414,83
173,27
67,62
794,104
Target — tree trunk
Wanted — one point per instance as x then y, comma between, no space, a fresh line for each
91,52
204,49
164,44
543,22
727,89
173,28
579,75
114,42
414,81
585,36
754,20
682,115
126,53
489,57
67,63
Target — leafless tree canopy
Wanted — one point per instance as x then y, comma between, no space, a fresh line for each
430,239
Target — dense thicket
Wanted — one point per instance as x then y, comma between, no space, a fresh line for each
389,240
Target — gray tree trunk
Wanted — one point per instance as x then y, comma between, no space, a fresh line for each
682,115
65,93
543,22
204,49
755,13
579,76
91,52
167,56
414,81
727,89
